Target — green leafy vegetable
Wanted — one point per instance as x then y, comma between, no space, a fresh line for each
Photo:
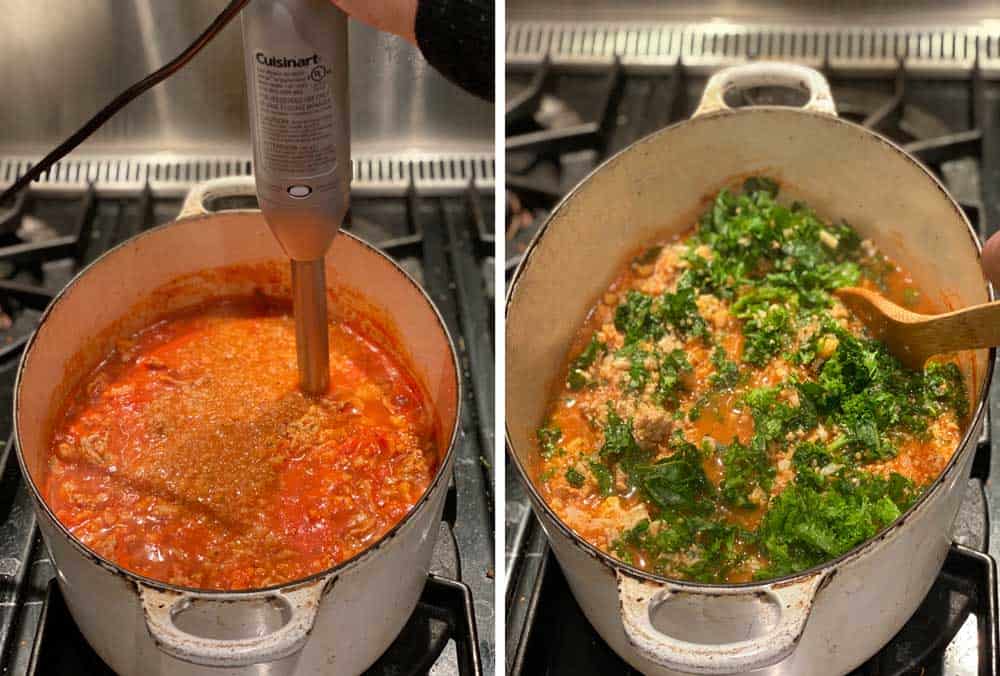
680,310
577,377
807,525
944,386
774,417
702,548
635,318
747,469
673,365
574,478
765,334
727,373
674,482
638,373
641,317
619,443
548,440
603,477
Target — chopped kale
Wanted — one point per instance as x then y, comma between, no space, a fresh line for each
641,317
727,373
704,549
765,334
673,365
774,418
765,253
574,478
603,477
808,524
811,461
620,445
721,548
944,386
870,396
636,319
746,469
680,310
577,377
648,256
548,440
638,374
674,482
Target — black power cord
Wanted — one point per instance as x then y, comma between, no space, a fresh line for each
93,124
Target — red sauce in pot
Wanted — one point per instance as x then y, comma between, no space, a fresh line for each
190,455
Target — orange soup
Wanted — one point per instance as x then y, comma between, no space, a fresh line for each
190,455
725,418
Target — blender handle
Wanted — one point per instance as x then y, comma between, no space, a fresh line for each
296,61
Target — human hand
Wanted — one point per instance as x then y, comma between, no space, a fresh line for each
398,17
991,260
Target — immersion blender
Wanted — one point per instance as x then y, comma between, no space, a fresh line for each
297,88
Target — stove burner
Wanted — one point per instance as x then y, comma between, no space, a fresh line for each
11,212
549,149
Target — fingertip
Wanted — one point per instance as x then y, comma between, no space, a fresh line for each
991,260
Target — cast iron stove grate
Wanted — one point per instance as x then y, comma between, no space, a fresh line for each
443,240
561,123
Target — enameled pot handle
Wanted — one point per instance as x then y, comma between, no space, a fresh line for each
229,186
299,605
767,74
781,611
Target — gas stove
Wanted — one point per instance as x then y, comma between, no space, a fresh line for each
579,92
433,214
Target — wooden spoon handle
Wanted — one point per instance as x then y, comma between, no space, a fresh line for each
966,329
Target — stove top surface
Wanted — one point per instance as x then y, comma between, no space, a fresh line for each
564,117
443,239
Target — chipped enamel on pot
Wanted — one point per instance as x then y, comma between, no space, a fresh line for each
338,621
831,618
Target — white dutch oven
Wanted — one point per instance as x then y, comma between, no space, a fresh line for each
336,622
831,618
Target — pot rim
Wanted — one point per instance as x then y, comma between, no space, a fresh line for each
538,502
238,594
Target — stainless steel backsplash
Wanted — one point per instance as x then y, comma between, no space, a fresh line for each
61,60
816,12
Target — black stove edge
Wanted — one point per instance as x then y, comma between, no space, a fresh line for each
968,561
451,593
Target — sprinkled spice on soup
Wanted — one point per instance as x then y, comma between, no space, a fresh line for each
191,456
725,418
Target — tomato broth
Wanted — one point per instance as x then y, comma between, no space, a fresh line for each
190,456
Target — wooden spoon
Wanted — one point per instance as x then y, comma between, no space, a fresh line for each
914,337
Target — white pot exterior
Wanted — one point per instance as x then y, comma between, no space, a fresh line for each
361,605
658,186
